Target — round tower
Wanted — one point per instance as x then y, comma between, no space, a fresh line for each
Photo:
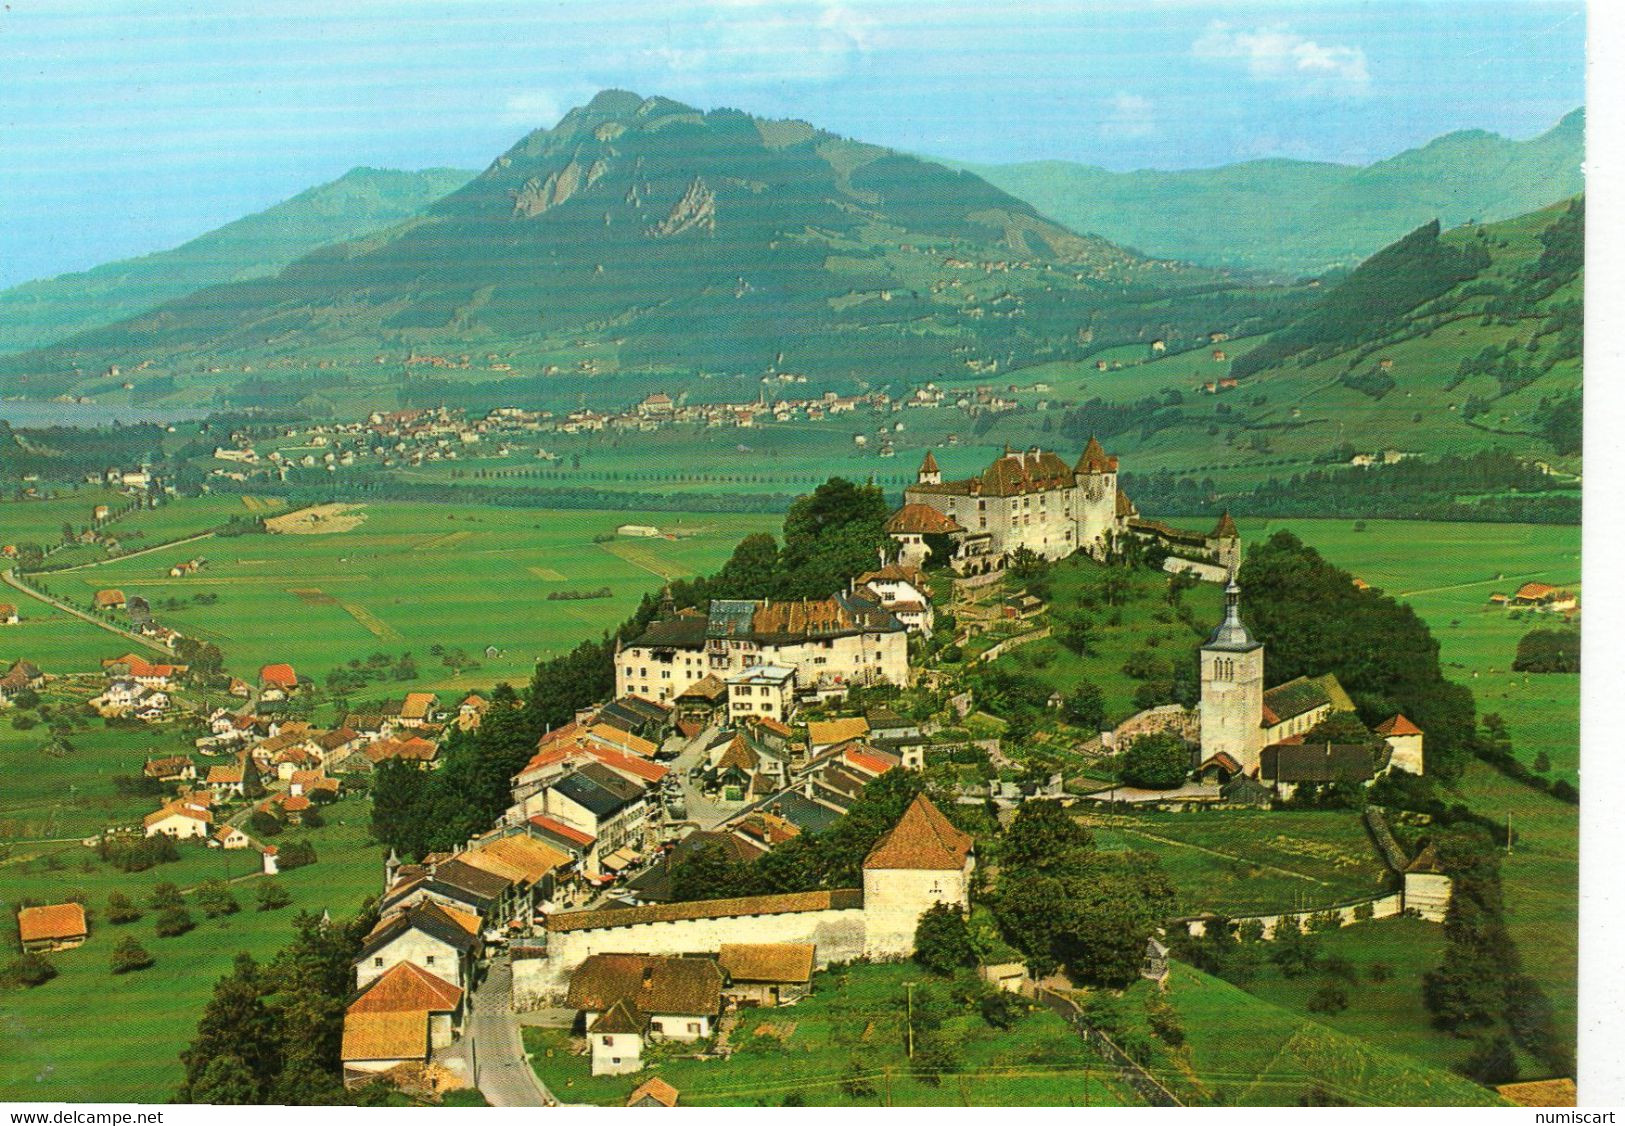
1233,687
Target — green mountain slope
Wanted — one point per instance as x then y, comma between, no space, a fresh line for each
360,202
643,235
1302,217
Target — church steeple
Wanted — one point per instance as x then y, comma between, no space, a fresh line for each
1232,633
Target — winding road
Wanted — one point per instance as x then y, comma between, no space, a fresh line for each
10,578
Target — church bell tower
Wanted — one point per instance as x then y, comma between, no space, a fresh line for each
1233,687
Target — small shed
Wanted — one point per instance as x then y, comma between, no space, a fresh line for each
767,974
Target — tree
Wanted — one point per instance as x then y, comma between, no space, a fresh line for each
942,942
215,899
165,897
235,1052
1330,999
225,1081
29,969
1492,1062
271,895
831,534
120,910
1085,706
130,955
1160,760
264,823
173,921
1074,630
707,873
1043,837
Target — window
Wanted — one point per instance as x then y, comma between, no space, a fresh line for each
693,1027
657,1026
428,959
608,1040
378,963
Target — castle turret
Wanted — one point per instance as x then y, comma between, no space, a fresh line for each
1095,501
929,473
1224,541
1233,687
924,860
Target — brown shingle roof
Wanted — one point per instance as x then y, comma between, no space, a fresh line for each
1095,459
921,520
783,904
827,731
646,983
655,1090
620,1017
519,858
406,988
1398,725
1225,529
1540,1092
921,839
54,921
385,1036
790,962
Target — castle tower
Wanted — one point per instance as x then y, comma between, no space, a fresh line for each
1233,687
929,473
921,862
1225,543
1095,512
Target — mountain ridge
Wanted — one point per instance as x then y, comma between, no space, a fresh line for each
1324,216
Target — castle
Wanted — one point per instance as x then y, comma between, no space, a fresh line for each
1026,499
1033,500
922,861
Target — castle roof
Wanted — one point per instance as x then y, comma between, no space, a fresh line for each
1225,529
1397,725
920,520
1125,507
1305,694
1095,459
1427,862
922,839
780,904
1315,763
929,465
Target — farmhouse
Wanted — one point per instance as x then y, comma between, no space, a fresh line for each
179,820
279,676
921,861
623,998
8,614
403,1015
830,643
111,599
443,942
56,926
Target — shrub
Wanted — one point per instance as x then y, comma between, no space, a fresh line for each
271,896
1379,972
174,921
264,824
121,910
1324,921
165,897
215,899
130,955
1492,1062
1330,999
855,1084
1364,911
1164,1021
28,970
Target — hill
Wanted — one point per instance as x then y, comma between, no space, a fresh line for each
1302,217
360,202
642,234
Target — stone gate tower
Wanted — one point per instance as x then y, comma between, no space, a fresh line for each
1233,688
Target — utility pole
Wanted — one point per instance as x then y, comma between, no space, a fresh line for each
1509,832
909,986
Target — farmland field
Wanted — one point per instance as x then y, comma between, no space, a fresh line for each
1238,862
1244,1051
409,577
49,1051
854,1023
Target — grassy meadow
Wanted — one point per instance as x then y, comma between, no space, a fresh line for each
409,577
1241,1050
1244,861
50,1048
854,1022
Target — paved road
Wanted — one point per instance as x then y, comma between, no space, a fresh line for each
11,580
492,1044
134,554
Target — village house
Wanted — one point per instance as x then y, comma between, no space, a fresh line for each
443,941
602,804
56,926
465,890
280,677
823,734
761,690
231,837
8,614
180,820
111,599
470,711
657,1092
623,998
766,974
402,1017
903,591
419,708
837,641
170,768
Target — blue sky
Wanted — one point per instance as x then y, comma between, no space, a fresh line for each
130,127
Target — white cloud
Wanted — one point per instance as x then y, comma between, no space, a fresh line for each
1275,53
1129,116
757,41
534,109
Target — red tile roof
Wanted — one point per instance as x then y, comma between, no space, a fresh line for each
1398,725
569,833
407,988
922,839
52,922
920,520
282,676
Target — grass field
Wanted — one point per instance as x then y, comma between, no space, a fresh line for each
412,576
1143,618
854,1021
53,1048
1238,862
1243,1051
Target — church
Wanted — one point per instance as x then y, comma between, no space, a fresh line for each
1248,730
1026,499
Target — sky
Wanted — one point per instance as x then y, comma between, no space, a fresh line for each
130,127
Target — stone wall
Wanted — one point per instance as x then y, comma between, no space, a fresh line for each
838,935
1382,907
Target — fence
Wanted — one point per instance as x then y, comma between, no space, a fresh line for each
1126,1069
